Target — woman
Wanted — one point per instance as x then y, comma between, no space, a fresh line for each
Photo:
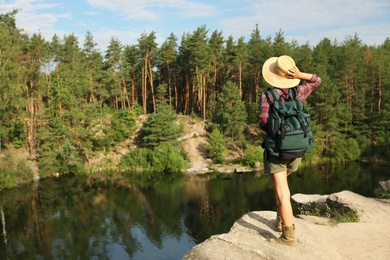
282,74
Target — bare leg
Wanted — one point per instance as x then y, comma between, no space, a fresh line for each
282,191
277,199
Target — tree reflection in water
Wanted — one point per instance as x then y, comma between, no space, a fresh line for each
149,216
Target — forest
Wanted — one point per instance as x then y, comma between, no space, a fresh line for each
66,100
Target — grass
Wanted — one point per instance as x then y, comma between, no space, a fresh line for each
349,216
335,216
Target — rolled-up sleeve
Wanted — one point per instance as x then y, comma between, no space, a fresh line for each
304,90
264,110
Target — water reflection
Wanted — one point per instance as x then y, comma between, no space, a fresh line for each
149,216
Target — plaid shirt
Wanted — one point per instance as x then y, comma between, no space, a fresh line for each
303,91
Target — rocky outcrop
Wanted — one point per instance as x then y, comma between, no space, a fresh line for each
385,185
318,238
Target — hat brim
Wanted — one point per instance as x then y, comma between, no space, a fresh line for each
270,75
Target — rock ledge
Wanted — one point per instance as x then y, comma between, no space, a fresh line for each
249,236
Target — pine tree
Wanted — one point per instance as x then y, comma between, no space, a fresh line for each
216,148
160,128
230,113
168,68
148,49
11,91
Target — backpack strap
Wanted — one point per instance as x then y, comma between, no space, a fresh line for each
293,95
275,97
300,119
270,92
278,103
292,92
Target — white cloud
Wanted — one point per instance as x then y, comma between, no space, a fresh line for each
197,10
149,10
367,34
25,5
36,16
34,22
306,20
302,20
91,13
105,35
132,9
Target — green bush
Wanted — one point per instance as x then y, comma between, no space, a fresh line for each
14,173
252,155
164,158
7,179
229,112
314,155
122,124
217,149
253,111
161,128
17,135
101,143
345,149
47,162
375,148
64,159
17,142
317,150
168,159
137,160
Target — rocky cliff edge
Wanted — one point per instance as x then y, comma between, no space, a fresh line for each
318,238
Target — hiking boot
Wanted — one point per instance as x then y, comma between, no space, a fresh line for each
288,236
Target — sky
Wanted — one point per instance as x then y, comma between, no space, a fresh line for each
305,21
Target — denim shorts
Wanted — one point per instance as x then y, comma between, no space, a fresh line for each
277,164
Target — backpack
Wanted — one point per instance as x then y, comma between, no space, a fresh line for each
288,133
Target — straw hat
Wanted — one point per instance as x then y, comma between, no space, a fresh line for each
275,72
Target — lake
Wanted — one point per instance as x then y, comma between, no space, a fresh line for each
150,216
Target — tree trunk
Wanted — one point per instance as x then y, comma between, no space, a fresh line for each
240,79
144,90
3,224
187,96
30,120
169,85
204,96
151,85
133,92
380,90
176,91
125,94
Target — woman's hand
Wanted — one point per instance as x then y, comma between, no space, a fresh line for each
294,72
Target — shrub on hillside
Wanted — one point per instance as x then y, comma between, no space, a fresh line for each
137,160
167,159
164,158
345,149
14,172
161,128
217,149
122,124
252,155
